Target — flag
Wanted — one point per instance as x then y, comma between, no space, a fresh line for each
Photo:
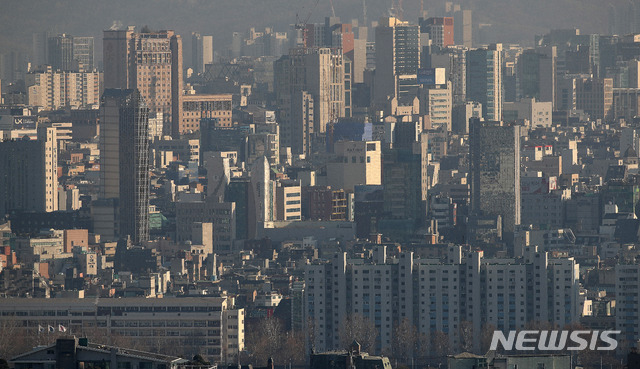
51,329
40,328
62,328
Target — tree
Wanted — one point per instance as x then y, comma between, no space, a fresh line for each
486,336
440,343
358,328
466,336
264,339
405,341
311,334
198,360
268,339
15,339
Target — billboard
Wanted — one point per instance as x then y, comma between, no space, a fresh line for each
431,76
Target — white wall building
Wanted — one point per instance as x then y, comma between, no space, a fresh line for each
439,295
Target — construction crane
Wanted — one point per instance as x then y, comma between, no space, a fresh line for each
333,11
303,24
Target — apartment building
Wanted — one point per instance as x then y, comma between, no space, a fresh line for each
52,89
627,302
439,295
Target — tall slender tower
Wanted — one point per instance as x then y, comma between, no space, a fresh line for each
484,80
397,60
60,52
150,62
494,172
201,52
124,160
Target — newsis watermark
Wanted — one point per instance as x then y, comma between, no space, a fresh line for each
545,340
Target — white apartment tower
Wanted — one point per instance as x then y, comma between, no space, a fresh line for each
438,295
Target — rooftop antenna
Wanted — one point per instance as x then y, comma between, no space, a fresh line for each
364,12
392,10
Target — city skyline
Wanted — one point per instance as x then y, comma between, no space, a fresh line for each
358,186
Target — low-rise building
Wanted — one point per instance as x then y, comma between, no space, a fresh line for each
192,325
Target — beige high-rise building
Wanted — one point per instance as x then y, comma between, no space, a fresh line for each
320,72
54,89
436,102
300,131
288,200
151,62
196,107
29,173
355,163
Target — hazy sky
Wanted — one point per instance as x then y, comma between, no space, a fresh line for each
512,20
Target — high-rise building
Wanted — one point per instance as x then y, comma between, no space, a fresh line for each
13,65
537,74
405,181
463,27
124,160
627,300
52,89
462,113
397,58
201,52
626,104
494,172
60,52
595,97
29,173
299,130
83,52
355,163
439,295
538,113
39,49
263,192
288,200
190,212
440,30
454,60
484,80
320,72
205,106
436,102
150,62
